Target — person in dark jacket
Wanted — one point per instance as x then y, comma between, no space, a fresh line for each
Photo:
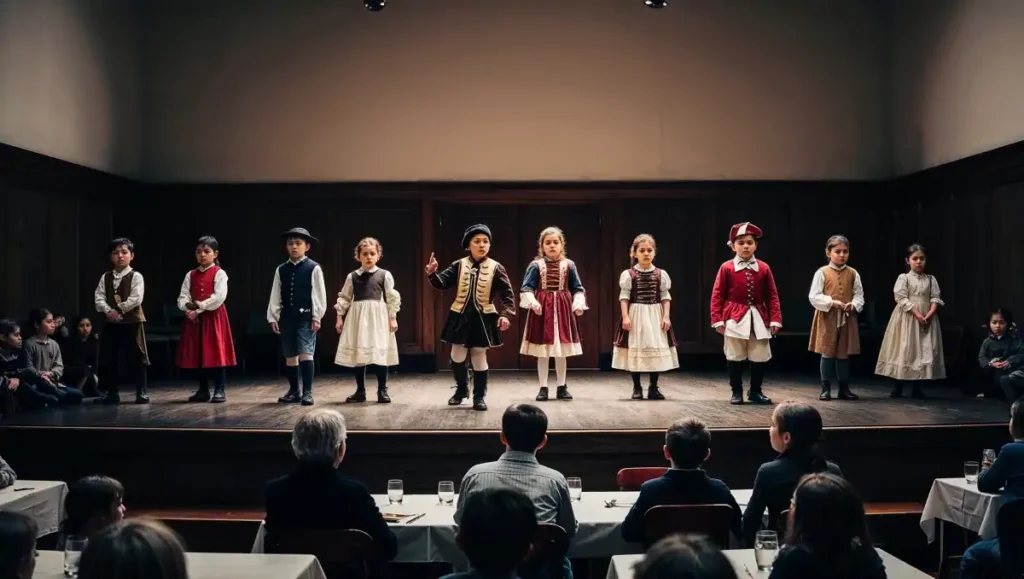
827,534
80,351
316,496
30,388
687,447
1001,358
795,434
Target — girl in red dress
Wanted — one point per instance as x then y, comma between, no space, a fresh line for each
206,342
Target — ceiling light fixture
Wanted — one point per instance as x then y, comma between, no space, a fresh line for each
656,3
374,5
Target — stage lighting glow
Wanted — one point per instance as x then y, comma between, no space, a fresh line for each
374,5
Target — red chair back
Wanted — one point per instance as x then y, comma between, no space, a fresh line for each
714,521
630,479
342,553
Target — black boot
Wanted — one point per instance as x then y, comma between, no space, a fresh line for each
479,389
203,394
563,393
141,396
756,379
735,381
638,390
915,390
897,389
826,390
653,393
845,393
382,384
220,376
542,394
461,383
292,372
360,394
306,369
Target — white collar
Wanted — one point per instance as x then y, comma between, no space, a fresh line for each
833,266
301,259
738,264
363,270
123,272
202,268
638,268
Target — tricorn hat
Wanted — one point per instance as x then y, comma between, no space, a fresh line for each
300,232
745,228
473,231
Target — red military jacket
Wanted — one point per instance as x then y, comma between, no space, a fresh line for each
737,291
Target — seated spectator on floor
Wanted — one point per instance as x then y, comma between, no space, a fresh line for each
7,474
135,549
31,389
17,546
93,504
316,496
495,551
827,534
44,356
80,351
1001,358
983,558
687,447
524,432
684,557
795,434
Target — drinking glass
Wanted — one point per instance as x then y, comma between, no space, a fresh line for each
73,547
988,455
971,472
575,488
766,548
395,492
446,492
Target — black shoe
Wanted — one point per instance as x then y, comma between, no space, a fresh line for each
219,396
201,395
737,397
897,390
758,397
382,396
638,393
479,404
307,398
359,396
461,393
653,393
563,393
108,399
141,399
826,391
542,394
291,397
845,394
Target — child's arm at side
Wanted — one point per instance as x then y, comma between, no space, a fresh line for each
345,301
185,293
666,301
816,296
901,293
319,297
393,299
936,298
774,307
579,294
100,299
531,280
718,298
274,305
858,293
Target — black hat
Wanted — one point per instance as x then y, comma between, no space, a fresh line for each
300,232
474,230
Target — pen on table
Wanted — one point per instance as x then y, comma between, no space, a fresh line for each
414,518
24,489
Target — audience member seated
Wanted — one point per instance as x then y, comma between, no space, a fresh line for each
30,388
983,558
7,474
795,434
136,549
316,496
17,546
498,526
44,355
827,534
80,351
684,557
93,504
524,432
1001,358
687,447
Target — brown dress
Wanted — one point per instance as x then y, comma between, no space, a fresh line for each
834,333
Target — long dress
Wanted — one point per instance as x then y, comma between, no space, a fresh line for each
909,350
206,342
367,302
646,347
555,288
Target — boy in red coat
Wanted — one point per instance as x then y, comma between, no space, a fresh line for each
745,309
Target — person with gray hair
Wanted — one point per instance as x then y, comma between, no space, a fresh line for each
316,496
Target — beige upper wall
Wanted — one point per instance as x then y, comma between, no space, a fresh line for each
957,79
69,83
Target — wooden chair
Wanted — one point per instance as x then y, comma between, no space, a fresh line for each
1010,527
548,551
342,553
715,521
630,479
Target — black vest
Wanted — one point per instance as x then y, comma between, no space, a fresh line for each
296,286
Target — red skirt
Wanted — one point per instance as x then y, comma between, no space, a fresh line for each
540,328
207,342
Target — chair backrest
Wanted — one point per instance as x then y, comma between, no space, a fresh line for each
782,525
714,521
342,553
550,543
630,479
1010,526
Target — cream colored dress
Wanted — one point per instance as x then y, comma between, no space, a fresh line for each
909,350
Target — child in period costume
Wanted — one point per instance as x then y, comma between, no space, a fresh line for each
553,296
912,346
475,322
123,352
837,296
206,342
745,309
298,301
367,320
1001,358
644,341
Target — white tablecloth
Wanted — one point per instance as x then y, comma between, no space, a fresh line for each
40,500
743,563
50,565
960,503
431,538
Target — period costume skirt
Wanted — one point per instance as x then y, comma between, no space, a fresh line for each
645,348
909,350
554,331
832,340
207,342
366,337
471,328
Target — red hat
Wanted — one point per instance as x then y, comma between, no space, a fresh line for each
746,228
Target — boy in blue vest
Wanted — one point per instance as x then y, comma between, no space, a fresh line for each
298,301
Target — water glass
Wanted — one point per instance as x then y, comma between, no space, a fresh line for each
766,548
988,455
73,547
395,492
971,472
446,492
575,488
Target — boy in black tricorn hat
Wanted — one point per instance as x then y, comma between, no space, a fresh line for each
474,321
298,300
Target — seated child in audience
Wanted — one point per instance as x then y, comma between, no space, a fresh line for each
795,433
17,546
93,503
497,530
684,557
1002,358
983,559
81,352
7,474
31,389
687,447
44,355
827,534
136,549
